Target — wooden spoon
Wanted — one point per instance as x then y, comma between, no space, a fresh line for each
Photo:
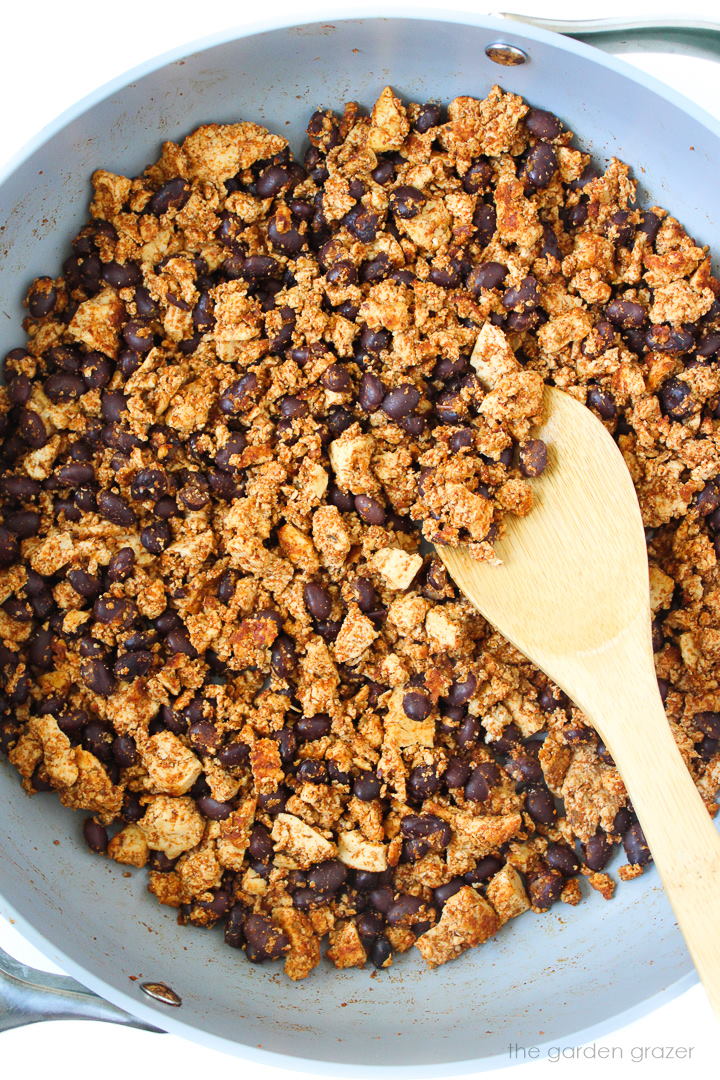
572,595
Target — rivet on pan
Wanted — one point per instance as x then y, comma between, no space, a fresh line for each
161,992
507,55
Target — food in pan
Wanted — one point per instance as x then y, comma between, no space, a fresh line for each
251,395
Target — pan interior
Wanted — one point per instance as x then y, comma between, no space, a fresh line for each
544,977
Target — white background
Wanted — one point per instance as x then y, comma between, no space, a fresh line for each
51,54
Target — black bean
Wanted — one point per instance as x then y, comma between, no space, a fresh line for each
541,165
423,782
636,848
597,852
380,951
271,182
260,846
232,449
403,910
336,378
133,664
461,691
544,888
233,755
203,735
707,500
478,177
668,339
112,405
406,201
213,809
40,650
259,266
362,223
522,296
456,773
532,457
426,827
341,499
64,357
327,877
313,727
371,392
602,402
138,336
443,892
375,269
366,787
676,399
429,116
375,341
179,642
384,172
625,313
132,808
292,407
19,389
124,751
524,766
121,275
19,487
317,600
370,510
96,836
108,609
447,277
312,772
485,221
156,538
540,805
488,275
115,509
707,346
708,723
149,484
342,273
41,298
563,858
484,870
239,395
64,387
75,475
172,195
469,731
477,788
96,676
23,523
121,565
283,656
416,705
369,925
650,225
264,939
401,401
543,124
289,241
84,584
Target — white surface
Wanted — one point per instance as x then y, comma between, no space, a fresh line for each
51,55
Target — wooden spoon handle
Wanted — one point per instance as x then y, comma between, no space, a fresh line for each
684,842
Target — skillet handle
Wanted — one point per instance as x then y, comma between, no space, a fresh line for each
658,34
28,996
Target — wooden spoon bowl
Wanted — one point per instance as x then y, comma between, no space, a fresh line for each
572,594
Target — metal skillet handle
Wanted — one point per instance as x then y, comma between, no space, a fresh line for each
28,995
666,35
